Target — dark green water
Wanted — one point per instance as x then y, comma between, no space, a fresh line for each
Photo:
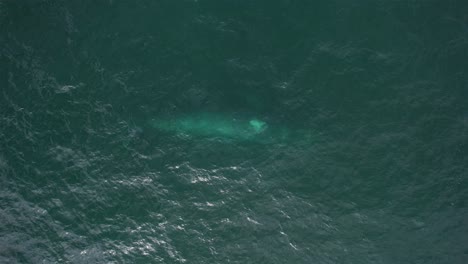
376,92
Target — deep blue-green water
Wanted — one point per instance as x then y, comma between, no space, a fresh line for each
234,131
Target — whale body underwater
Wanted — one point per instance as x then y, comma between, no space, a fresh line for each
223,126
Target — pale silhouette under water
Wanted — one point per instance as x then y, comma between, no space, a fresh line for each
224,126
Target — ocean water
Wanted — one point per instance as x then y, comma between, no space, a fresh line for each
367,161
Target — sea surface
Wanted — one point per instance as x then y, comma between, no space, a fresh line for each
373,167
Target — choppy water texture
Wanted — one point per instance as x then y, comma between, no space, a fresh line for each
374,92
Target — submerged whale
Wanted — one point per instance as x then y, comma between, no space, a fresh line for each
216,125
